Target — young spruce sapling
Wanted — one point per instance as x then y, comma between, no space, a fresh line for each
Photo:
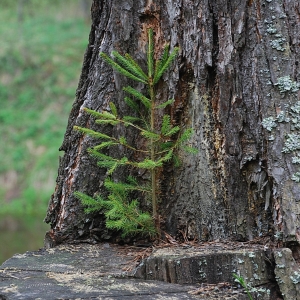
122,212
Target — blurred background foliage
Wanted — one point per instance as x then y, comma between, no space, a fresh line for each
41,53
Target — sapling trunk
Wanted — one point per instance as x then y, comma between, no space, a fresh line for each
153,152
150,62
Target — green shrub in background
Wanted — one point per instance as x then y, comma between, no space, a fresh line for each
41,53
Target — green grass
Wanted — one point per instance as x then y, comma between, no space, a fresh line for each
40,64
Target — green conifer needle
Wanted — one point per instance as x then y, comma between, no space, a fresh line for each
150,53
120,69
166,65
165,104
130,65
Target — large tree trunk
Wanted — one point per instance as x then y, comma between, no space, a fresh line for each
232,54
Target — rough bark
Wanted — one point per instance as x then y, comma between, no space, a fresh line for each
232,54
